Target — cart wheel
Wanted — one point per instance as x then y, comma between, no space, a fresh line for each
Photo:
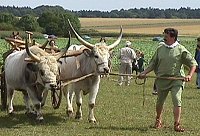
3,91
56,96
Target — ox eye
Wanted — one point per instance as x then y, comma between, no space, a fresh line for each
42,73
96,56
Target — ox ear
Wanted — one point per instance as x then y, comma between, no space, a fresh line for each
59,63
32,67
87,52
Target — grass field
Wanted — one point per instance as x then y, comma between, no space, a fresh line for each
186,27
119,109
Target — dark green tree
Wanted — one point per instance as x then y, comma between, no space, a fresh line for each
56,23
8,18
28,23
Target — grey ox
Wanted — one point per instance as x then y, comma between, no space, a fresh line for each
31,71
94,59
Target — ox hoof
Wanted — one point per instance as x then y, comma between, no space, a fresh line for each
93,121
40,119
69,114
42,104
11,113
30,113
78,118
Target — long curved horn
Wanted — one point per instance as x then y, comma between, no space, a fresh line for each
87,44
117,41
30,54
60,54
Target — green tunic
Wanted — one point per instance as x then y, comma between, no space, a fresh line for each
168,62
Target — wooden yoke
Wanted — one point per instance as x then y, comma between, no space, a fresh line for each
29,34
15,43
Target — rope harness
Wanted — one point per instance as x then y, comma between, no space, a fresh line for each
76,79
144,81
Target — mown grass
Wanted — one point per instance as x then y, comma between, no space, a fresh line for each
119,111
141,26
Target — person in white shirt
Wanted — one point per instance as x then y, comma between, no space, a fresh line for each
126,56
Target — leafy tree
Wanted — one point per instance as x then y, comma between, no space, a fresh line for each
45,8
28,23
8,18
56,23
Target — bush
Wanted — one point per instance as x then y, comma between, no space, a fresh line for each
6,27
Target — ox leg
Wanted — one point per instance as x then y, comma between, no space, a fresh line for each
78,103
10,97
36,102
91,105
69,94
92,98
26,98
45,93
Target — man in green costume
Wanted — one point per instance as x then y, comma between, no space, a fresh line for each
168,61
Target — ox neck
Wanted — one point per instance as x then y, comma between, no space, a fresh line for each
87,64
39,80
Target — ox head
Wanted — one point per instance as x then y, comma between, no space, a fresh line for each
99,51
45,65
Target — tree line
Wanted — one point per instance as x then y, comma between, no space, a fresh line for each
53,19
182,13
43,19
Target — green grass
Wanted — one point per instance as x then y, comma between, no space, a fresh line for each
119,109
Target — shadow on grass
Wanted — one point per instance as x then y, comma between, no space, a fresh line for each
19,119
17,108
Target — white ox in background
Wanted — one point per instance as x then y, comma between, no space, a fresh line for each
94,59
31,77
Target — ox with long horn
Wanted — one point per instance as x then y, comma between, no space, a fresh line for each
32,78
93,60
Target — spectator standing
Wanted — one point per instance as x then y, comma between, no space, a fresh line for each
135,66
197,58
141,62
126,56
52,43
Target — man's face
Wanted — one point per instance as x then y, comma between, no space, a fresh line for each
168,40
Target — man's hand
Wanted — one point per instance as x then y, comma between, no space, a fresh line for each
188,78
142,75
